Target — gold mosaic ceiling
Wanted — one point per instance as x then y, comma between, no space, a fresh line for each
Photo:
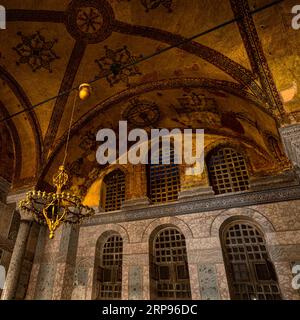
244,77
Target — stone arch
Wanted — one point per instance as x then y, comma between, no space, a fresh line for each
155,225
112,229
254,215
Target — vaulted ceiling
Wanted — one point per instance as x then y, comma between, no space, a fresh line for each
239,82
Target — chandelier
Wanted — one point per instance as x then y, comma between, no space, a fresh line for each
54,208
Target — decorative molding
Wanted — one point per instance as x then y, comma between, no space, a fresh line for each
235,70
256,54
233,200
135,203
198,192
35,15
67,83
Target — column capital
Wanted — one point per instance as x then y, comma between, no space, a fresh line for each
17,196
25,216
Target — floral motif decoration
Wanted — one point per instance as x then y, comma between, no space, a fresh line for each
153,4
35,51
142,113
89,20
117,66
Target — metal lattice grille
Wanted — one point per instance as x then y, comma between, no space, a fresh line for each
164,179
110,271
169,266
251,273
228,171
115,190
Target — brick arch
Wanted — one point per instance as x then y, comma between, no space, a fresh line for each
248,213
155,225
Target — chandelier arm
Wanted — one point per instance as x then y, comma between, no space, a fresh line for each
63,215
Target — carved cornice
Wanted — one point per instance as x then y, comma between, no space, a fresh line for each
233,200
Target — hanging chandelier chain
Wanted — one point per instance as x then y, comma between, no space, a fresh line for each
69,129
154,54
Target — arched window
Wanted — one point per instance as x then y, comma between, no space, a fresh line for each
109,268
168,266
227,171
163,179
251,274
113,190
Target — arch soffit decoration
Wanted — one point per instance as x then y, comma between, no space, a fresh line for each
124,96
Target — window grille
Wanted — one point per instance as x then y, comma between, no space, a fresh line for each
169,267
163,179
228,171
115,190
251,273
109,273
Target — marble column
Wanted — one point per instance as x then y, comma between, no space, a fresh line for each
15,266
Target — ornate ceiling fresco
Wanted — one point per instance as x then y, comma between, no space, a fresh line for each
238,83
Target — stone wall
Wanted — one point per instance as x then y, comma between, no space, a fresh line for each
64,267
